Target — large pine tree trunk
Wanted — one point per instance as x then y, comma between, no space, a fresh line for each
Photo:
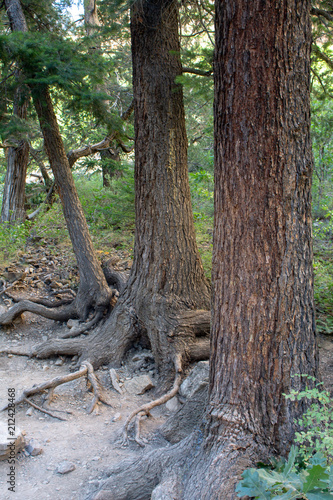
167,277
263,329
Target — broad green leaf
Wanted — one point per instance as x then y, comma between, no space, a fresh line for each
290,495
318,495
317,478
291,461
252,486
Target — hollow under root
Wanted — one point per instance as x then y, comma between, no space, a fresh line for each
86,369
75,331
145,409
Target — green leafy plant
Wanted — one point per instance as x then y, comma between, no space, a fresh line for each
288,481
316,424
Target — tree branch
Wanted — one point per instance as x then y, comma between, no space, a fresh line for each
316,50
321,13
199,72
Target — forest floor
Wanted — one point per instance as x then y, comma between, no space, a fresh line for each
89,442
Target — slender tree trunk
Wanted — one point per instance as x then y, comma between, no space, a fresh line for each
93,292
92,24
18,156
263,329
17,162
93,287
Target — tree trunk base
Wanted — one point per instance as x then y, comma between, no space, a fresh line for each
190,469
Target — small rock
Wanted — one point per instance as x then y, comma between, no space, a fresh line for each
114,379
59,362
3,309
198,378
173,404
71,323
29,412
45,368
65,467
116,417
9,355
95,459
139,385
44,337
12,446
34,448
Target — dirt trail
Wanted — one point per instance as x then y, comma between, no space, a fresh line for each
89,441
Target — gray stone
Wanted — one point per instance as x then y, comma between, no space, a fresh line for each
187,418
167,490
65,467
115,379
3,309
71,323
139,385
116,417
173,404
59,362
198,378
15,442
34,448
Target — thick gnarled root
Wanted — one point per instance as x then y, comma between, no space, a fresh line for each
86,369
55,313
145,409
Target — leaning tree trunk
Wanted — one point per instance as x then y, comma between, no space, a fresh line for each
167,296
17,162
263,329
93,292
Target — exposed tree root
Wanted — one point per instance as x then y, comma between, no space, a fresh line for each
99,394
145,409
85,369
42,410
12,285
56,314
41,300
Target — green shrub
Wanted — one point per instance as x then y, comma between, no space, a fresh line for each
308,472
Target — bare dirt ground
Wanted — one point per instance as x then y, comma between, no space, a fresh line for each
91,442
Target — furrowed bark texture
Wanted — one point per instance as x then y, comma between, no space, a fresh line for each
167,274
17,160
17,163
263,328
